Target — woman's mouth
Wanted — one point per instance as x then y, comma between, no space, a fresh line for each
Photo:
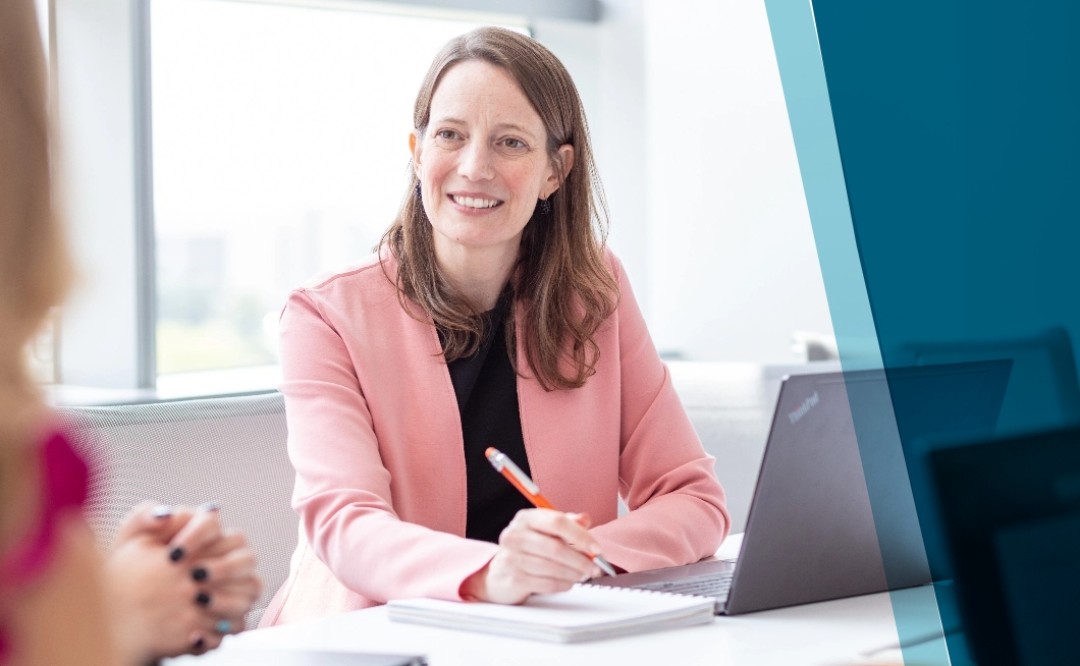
478,203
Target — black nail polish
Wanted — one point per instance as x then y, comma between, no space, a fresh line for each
199,643
176,554
202,598
199,574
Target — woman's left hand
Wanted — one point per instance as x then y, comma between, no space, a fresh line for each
225,571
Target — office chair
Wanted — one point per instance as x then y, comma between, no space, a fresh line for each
230,450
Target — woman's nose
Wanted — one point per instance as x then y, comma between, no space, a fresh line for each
475,161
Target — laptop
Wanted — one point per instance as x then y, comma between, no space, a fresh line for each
817,529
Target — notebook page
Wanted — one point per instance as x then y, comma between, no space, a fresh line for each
584,612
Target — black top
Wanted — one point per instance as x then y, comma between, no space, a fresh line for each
486,389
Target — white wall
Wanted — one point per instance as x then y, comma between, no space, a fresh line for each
697,157
607,61
95,78
733,267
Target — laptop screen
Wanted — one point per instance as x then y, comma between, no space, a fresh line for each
834,513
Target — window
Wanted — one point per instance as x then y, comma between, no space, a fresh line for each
242,233
280,149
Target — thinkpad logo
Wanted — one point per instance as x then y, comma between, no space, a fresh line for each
805,407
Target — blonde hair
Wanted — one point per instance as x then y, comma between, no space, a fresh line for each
562,279
34,261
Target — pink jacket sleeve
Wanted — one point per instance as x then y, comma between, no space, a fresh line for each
677,509
343,490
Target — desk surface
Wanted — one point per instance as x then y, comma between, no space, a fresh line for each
843,632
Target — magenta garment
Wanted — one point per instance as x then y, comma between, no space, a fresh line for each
64,478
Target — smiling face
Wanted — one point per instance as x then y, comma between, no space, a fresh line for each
482,161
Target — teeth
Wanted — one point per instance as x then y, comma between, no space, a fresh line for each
473,202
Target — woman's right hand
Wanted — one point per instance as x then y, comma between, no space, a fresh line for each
176,576
541,551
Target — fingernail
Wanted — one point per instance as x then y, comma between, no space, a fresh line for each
161,511
199,574
198,644
223,627
176,554
203,599
209,506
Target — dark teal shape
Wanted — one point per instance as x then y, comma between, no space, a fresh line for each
939,144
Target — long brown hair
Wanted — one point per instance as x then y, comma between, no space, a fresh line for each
562,279
34,266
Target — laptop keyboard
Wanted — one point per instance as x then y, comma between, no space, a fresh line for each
705,586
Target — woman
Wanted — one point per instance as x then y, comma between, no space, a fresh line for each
397,374
175,581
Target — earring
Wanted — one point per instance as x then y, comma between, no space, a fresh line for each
545,207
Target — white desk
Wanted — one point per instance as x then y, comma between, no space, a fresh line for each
831,633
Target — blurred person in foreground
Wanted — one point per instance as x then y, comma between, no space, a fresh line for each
175,581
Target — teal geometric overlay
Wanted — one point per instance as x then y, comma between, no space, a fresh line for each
939,144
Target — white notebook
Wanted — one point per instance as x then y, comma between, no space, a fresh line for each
582,613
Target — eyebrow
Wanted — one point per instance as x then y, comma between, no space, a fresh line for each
500,126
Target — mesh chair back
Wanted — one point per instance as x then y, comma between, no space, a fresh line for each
230,450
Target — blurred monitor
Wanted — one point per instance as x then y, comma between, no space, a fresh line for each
1010,509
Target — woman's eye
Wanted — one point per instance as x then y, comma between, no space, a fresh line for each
515,144
448,139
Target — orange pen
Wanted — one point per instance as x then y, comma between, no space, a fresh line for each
531,491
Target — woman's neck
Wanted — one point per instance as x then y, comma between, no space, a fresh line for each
480,276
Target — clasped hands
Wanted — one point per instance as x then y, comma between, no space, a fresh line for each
179,581
541,551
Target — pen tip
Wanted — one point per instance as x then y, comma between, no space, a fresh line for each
604,565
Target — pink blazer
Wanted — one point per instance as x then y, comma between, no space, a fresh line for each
375,436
